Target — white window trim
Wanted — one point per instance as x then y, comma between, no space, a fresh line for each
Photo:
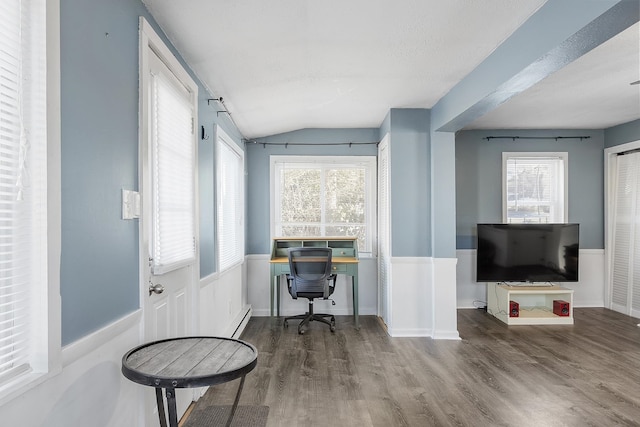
51,314
370,162
536,154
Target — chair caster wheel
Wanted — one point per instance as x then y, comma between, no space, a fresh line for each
300,332
286,324
332,328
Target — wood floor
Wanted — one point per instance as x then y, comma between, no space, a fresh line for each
587,374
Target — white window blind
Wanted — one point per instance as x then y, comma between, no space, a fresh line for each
229,201
534,187
23,202
173,157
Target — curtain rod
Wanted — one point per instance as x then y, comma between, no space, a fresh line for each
580,137
286,144
225,110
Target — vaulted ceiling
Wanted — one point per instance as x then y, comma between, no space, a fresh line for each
284,65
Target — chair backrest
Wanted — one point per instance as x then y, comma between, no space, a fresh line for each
310,270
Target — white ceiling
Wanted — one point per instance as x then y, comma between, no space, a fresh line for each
285,65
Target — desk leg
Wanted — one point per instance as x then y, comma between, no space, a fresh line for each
278,292
160,403
272,280
354,284
171,404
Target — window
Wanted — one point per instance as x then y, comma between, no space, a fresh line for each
324,196
534,187
229,201
24,287
173,168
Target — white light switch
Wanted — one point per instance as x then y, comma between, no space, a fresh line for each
130,204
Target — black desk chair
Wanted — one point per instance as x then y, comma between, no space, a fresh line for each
310,277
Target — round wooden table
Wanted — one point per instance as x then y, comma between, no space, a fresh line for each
188,362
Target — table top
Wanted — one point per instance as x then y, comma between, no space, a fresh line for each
189,362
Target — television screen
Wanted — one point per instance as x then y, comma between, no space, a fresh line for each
527,253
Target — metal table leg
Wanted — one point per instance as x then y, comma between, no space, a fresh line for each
160,403
235,402
171,404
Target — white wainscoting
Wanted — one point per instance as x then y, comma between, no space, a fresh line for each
411,286
588,292
423,298
91,390
445,315
413,297
223,306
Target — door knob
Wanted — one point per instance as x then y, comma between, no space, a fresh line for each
155,289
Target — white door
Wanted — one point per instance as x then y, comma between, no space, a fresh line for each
168,223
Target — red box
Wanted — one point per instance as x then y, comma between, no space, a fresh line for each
514,309
560,308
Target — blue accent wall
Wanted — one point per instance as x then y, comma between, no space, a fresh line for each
479,179
258,238
622,134
99,279
443,188
410,181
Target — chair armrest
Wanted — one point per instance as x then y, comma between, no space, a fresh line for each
293,289
326,293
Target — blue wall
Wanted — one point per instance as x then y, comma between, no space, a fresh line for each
627,132
410,181
479,179
258,177
99,280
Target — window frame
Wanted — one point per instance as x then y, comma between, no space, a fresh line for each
370,164
46,295
561,155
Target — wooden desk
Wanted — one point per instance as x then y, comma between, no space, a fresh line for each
344,260
188,362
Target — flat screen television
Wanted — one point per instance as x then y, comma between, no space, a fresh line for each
527,253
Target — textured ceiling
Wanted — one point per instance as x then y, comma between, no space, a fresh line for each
285,65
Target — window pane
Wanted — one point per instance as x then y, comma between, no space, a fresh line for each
534,190
301,195
301,230
345,196
23,189
358,231
173,154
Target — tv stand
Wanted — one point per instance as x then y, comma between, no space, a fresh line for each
536,303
